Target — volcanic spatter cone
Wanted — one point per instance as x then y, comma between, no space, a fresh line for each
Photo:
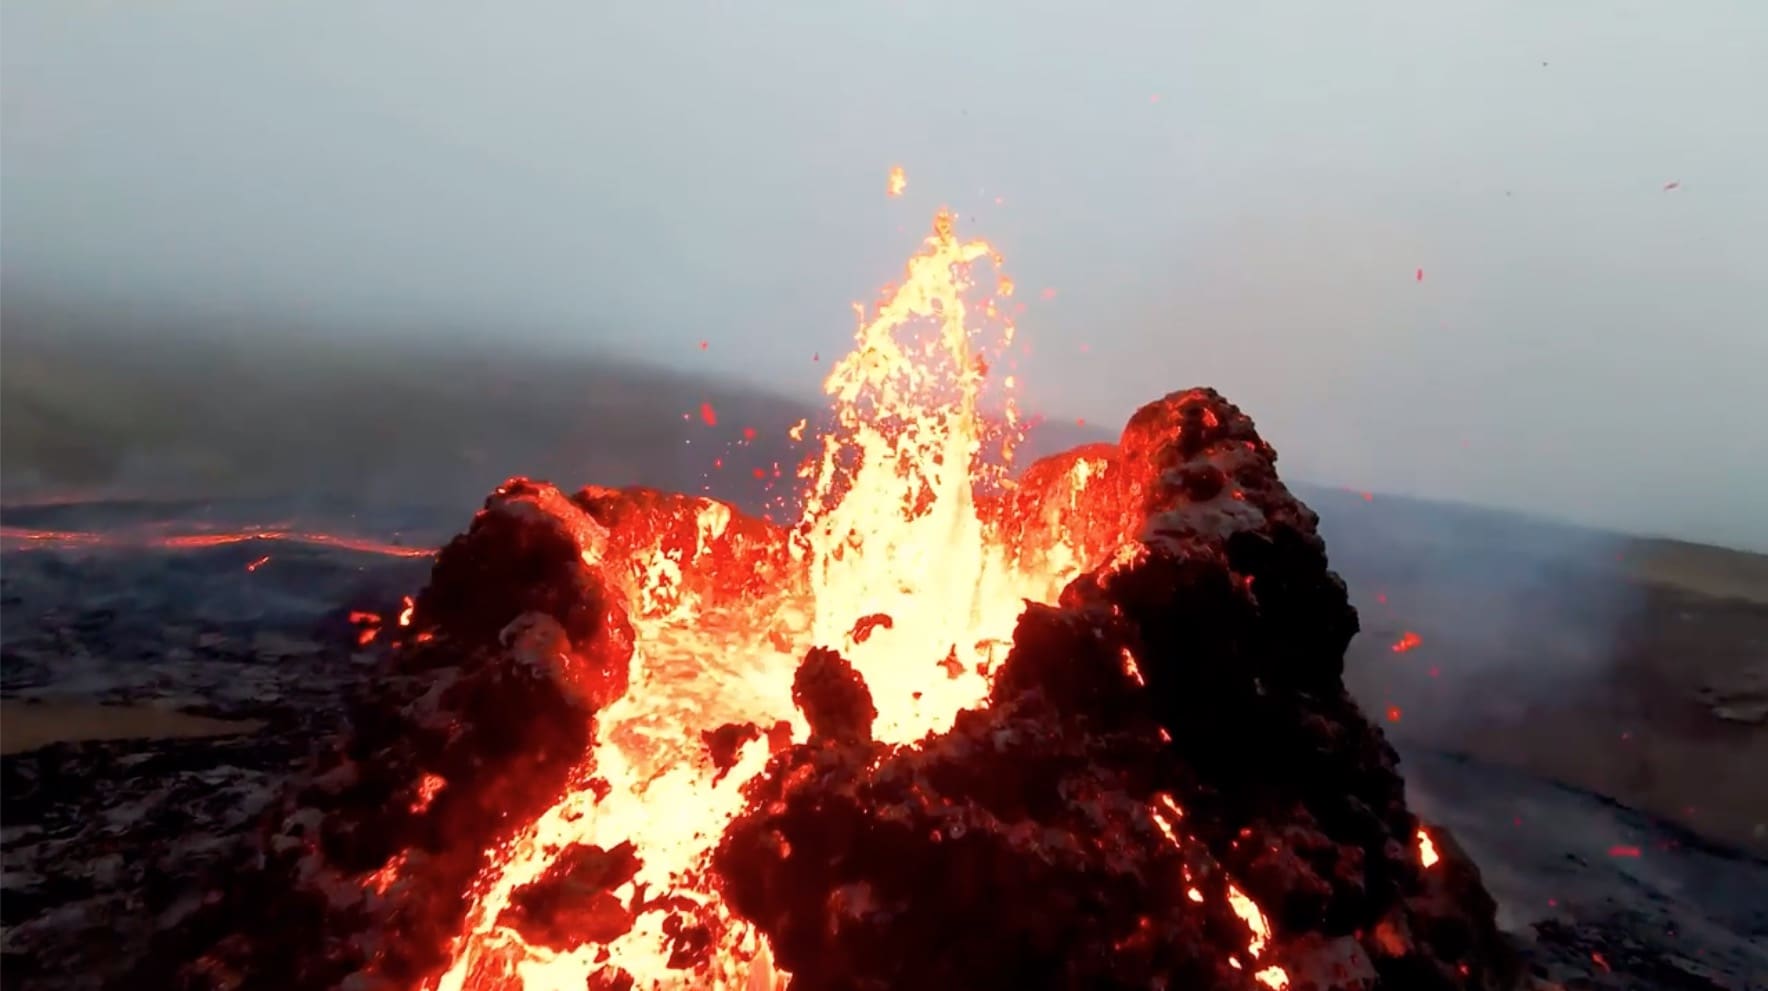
1166,751
1165,785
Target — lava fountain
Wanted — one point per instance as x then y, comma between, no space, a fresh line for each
892,565
1079,727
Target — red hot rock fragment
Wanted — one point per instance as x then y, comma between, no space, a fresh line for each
834,698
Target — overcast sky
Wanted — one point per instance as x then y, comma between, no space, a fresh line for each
1230,193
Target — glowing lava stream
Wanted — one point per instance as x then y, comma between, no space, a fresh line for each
23,538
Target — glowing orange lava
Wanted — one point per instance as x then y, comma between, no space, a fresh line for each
25,538
891,527
897,182
1427,851
901,573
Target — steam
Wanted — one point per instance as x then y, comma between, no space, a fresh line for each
105,404
1510,618
1512,613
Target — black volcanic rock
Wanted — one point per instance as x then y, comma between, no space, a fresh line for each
1189,685
834,698
364,867
1008,852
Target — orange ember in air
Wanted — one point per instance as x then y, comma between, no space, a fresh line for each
1427,852
897,182
428,786
368,626
1407,641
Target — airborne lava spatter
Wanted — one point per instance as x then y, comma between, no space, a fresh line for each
1081,730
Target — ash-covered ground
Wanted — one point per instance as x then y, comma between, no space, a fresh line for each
104,839
101,836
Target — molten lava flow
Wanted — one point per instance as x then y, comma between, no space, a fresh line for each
24,538
897,571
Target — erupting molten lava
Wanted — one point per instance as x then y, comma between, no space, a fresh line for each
1082,729
902,576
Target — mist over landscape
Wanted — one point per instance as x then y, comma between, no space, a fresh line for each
1456,264
1504,255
